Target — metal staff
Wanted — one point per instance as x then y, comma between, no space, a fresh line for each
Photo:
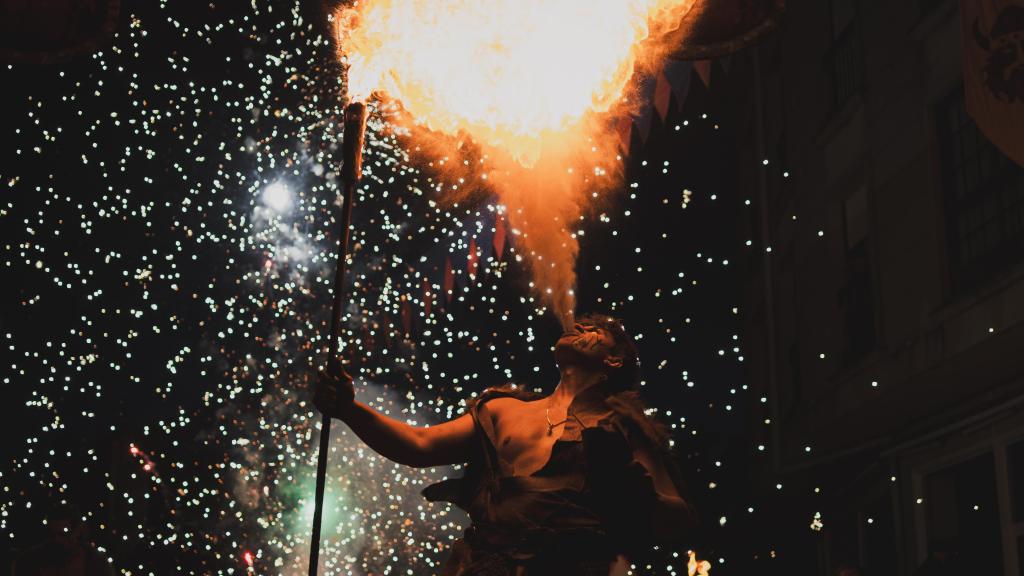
351,171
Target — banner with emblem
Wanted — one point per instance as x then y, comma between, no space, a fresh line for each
993,38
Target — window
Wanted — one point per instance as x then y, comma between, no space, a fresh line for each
984,193
878,536
1015,472
844,61
962,515
1015,469
843,544
855,296
1020,552
794,375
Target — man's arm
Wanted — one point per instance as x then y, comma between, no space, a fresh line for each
447,443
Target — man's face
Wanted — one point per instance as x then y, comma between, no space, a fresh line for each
587,345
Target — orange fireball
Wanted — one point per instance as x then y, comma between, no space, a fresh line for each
527,80
511,73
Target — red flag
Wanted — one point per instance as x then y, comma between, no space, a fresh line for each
406,316
499,236
428,298
679,75
703,68
449,279
368,341
471,260
662,95
386,327
994,94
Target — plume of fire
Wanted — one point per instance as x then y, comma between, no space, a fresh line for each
533,82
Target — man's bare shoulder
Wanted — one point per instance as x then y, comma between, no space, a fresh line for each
507,404
506,396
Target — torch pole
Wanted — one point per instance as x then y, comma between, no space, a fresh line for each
351,171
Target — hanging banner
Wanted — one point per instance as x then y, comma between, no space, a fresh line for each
993,37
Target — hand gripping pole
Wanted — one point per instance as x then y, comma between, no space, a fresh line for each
351,171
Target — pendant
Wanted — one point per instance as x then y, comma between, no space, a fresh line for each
551,425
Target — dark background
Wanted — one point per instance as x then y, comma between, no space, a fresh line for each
850,356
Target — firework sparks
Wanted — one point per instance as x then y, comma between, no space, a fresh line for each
168,216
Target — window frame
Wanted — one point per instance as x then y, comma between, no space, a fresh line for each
944,458
844,43
993,176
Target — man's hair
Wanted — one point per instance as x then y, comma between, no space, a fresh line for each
627,376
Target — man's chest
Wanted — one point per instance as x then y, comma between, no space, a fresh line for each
521,436
525,433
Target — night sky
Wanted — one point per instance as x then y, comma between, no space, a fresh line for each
168,236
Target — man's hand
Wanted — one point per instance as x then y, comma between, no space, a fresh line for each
450,442
334,395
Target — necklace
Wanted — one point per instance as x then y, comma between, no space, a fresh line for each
551,426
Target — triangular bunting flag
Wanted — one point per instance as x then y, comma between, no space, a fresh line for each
406,317
369,342
386,329
471,260
428,298
499,236
678,75
662,96
703,68
449,278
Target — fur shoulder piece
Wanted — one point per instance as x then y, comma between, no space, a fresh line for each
629,406
509,390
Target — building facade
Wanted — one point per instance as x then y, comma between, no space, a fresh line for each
885,294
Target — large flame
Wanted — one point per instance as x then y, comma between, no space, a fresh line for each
525,79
